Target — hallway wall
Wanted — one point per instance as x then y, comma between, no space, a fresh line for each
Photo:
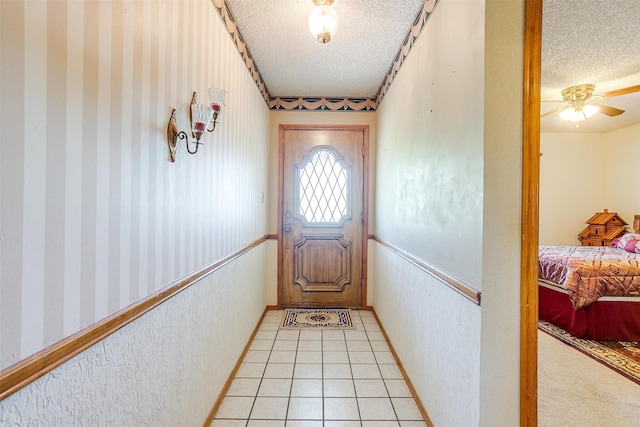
93,215
449,130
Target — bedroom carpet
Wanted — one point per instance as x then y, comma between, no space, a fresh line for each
621,356
309,318
576,391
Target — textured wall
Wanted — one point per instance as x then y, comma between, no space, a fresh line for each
165,369
430,135
448,192
436,334
93,216
592,181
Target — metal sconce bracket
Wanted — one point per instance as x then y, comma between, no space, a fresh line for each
173,133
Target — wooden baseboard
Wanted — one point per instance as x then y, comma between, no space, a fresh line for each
233,373
414,393
23,373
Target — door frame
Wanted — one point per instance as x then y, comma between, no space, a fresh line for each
365,199
529,220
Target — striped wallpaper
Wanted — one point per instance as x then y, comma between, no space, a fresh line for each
93,216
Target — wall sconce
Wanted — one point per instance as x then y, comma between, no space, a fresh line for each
323,21
202,118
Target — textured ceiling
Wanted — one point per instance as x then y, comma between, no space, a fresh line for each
584,41
353,64
591,41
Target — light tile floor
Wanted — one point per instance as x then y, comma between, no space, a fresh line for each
319,378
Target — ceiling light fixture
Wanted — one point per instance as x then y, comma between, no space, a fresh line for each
577,112
323,21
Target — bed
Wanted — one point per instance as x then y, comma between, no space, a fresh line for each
592,291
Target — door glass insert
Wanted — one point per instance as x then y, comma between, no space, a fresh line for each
322,190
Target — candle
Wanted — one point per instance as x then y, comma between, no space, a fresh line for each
199,126
216,107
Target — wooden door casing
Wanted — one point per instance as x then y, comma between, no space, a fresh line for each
321,262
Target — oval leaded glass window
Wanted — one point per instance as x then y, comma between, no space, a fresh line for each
323,182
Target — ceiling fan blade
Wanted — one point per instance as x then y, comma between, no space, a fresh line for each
548,113
608,110
623,91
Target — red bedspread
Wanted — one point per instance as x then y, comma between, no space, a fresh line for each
590,272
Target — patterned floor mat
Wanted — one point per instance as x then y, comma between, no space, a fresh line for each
317,318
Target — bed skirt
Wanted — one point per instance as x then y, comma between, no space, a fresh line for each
605,319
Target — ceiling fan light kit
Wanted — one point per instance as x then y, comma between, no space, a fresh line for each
323,21
580,105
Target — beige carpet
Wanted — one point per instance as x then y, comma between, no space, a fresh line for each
575,390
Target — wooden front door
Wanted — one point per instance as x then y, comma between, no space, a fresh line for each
322,216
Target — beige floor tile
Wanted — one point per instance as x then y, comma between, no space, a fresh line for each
282,345
337,371
261,345
278,356
288,335
366,371
310,335
306,388
335,357
361,356
375,336
413,424
406,409
398,388
340,409
279,370
266,423
384,357
328,335
244,387
228,423
266,335
358,346
338,388
380,424
391,372
269,408
309,356
355,336
370,388
250,370
380,346
305,408
275,387
256,356
309,345
308,370
334,345
342,423
304,423
267,326
376,408
235,408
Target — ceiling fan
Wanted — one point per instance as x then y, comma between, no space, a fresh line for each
580,103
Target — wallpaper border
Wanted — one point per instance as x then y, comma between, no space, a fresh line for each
323,103
30,369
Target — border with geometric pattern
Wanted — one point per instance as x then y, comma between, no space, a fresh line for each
324,103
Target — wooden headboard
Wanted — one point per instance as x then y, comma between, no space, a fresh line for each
636,223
